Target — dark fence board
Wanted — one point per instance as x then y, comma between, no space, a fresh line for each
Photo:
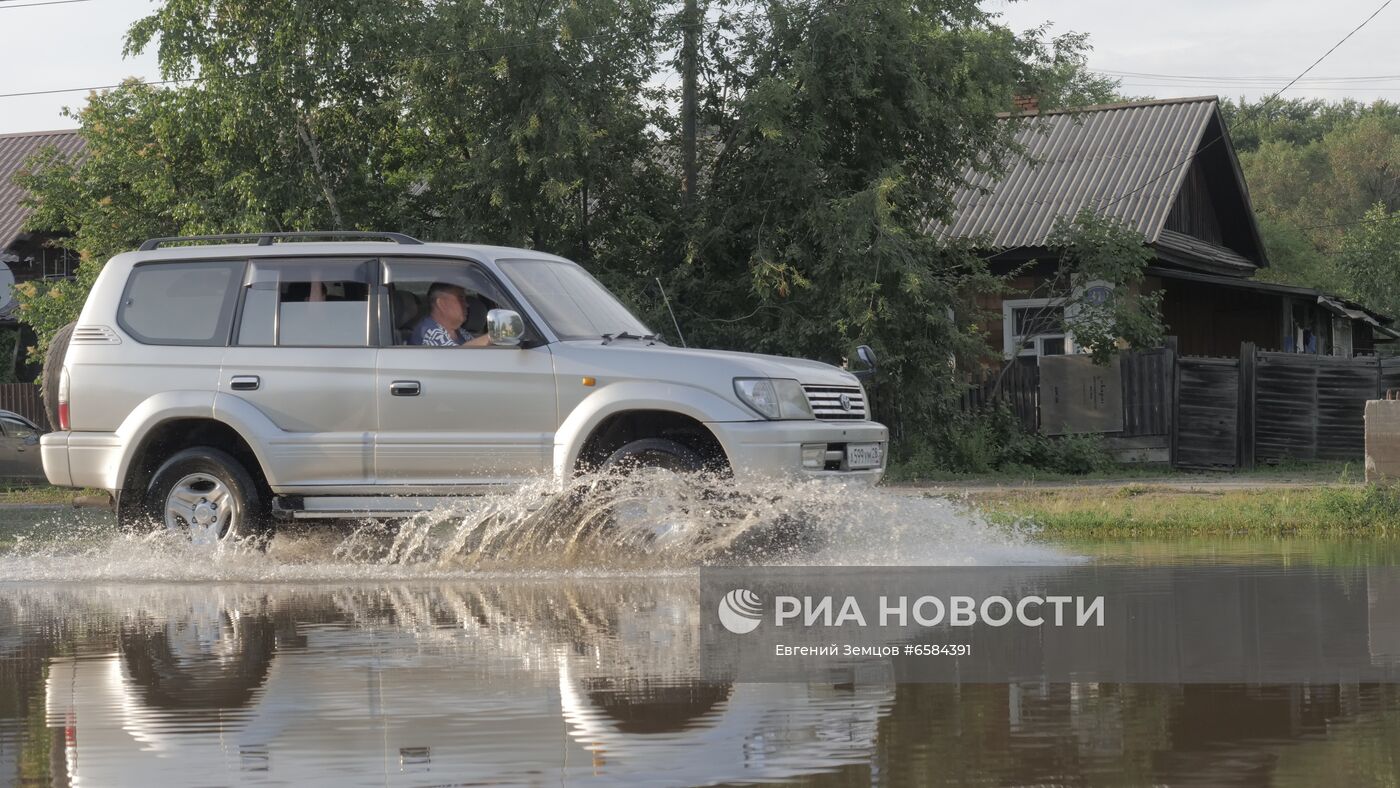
24,399
1207,412
1390,375
1148,386
1313,407
1017,384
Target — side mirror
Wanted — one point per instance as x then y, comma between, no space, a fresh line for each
505,327
866,355
31,440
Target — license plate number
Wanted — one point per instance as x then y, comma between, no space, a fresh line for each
862,455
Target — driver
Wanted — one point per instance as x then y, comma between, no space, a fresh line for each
442,326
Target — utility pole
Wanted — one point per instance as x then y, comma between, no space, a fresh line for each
690,33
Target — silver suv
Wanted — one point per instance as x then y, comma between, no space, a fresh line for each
217,387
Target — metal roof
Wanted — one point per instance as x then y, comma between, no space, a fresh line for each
15,149
1193,249
1127,158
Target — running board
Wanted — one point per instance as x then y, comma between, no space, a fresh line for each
298,507
344,507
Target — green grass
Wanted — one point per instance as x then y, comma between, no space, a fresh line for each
1329,472
41,494
1143,511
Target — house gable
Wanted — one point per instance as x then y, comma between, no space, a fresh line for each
1212,208
1165,167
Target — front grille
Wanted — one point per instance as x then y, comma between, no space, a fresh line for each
836,403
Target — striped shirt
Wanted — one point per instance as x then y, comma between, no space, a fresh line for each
429,333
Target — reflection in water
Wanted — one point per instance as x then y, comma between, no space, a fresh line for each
561,678
506,682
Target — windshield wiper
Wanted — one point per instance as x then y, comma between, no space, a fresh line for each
649,338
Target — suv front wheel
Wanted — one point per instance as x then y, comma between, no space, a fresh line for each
208,496
662,453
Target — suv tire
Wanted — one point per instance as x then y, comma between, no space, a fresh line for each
661,453
207,495
53,368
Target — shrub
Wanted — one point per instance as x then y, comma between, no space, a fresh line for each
994,440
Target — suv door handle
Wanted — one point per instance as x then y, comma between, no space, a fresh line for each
405,388
244,383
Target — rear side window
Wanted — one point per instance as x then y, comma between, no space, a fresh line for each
322,303
181,303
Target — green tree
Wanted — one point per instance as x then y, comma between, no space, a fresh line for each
1369,260
1092,248
833,135
539,125
1295,258
838,133
1314,170
299,102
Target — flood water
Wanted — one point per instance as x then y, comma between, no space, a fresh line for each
487,647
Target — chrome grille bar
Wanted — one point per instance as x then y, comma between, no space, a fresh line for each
836,403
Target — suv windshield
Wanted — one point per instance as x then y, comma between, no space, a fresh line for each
570,300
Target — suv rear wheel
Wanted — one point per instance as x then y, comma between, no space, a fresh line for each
207,495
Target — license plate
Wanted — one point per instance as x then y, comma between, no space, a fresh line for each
862,455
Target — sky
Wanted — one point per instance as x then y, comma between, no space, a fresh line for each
1195,47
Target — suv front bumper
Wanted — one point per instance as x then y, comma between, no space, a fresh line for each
774,448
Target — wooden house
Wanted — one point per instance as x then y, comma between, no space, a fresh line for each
1168,169
26,256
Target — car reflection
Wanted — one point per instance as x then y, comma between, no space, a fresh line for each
494,683
578,680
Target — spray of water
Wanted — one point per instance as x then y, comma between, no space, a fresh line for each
651,522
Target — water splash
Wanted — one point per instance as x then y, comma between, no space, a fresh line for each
674,520
654,522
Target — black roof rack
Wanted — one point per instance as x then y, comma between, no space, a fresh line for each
266,239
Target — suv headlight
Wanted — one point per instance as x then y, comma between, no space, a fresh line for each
774,398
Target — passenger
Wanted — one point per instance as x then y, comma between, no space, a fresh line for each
442,326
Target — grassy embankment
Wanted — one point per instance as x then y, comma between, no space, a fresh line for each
1137,510
41,494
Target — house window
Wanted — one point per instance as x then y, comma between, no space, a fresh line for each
1035,327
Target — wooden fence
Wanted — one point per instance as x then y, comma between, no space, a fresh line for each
1207,413
1017,384
24,399
1224,413
1149,379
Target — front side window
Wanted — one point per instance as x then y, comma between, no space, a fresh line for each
15,428
180,303
306,304
570,300
439,304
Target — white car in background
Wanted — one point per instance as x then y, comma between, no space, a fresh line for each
211,385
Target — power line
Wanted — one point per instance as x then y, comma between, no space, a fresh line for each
1257,109
93,87
3,3
1235,86
1234,78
